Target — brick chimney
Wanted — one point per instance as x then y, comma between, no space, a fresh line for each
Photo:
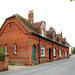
31,16
61,34
51,28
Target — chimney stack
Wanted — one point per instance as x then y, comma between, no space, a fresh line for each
51,28
61,34
31,16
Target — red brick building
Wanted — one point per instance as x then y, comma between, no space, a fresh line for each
28,42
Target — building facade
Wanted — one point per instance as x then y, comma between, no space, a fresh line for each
28,42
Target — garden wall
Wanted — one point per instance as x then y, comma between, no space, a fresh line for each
4,64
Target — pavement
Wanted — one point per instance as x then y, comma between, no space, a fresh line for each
12,68
61,67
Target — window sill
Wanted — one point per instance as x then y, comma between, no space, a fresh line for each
54,56
43,56
15,53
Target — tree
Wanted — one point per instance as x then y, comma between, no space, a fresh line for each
74,50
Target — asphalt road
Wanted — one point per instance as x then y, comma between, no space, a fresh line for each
61,67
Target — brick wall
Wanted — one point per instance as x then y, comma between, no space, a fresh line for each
4,64
12,35
14,32
48,44
1,65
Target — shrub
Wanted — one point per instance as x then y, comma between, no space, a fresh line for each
20,64
2,54
12,63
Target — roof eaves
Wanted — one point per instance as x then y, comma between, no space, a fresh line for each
49,39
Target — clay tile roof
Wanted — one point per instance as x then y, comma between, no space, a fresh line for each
25,22
37,24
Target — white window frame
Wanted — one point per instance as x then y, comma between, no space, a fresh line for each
65,53
54,36
5,47
60,52
15,48
54,51
42,51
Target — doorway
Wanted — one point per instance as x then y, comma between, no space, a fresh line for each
34,53
49,53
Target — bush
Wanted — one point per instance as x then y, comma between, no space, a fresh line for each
73,50
12,63
2,54
20,64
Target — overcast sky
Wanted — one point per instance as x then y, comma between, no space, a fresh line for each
57,13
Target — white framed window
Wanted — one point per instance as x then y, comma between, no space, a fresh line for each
6,48
60,53
15,49
65,53
43,50
43,32
54,51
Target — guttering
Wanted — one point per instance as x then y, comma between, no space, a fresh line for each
50,39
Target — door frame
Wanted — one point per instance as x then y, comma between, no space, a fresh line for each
33,55
49,53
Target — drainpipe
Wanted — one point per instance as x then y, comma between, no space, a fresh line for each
58,51
52,51
39,51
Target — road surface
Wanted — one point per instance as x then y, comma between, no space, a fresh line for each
61,67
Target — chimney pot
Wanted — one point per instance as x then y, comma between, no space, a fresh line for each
51,28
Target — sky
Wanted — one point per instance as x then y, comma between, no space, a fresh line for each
57,13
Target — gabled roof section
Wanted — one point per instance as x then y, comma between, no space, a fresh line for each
24,21
58,35
50,31
37,24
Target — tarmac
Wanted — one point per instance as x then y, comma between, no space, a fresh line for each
14,67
